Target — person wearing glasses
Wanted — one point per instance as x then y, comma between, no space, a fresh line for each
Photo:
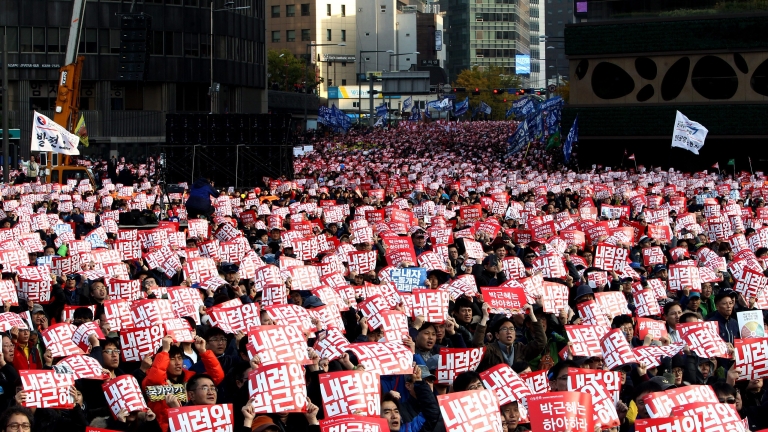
201,390
503,348
8,374
16,419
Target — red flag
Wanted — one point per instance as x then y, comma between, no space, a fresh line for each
632,157
716,165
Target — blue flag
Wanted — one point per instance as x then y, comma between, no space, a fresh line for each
381,110
519,139
408,103
511,110
484,108
415,114
553,122
461,107
573,136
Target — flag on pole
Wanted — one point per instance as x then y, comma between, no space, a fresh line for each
573,136
82,131
461,107
484,108
381,110
48,136
408,103
716,165
688,134
632,157
732,162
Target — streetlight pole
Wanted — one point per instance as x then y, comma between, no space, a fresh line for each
306,76
359,82
228,6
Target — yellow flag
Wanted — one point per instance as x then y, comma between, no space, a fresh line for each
82,131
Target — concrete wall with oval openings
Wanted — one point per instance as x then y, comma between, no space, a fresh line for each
727,77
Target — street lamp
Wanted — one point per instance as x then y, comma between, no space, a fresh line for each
228,6
359,88
398,55
306,75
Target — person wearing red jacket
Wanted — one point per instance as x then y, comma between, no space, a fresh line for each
167,368
25,355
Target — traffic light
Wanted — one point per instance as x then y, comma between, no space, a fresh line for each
459,89
476,91
505,100
498,91
520,92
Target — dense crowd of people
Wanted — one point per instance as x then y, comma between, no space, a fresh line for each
402,273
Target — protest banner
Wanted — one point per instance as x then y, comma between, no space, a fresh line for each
713,416
604,386
585,339
430,304
657,329
47,389
136,343
470,410
507,384
81,366
406,279
279,344
751,358
278,388
561,411
454,361
123,392
353,423
660,404
672,423
350,392
615,349
58,339
508,301
201,418
383,358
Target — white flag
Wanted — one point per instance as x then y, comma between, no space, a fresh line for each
688,134
48,136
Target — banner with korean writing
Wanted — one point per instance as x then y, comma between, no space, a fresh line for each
616,350
349,392
47,389
431,304
58,339
476,410
278,388
673,423
508,301
646,303
383,358
279,344
123,392
454,361
713,416
509,386
201,418
604,386
752,358
136,343
585,339
659,404
657,329
353,423
561,411
609,258
705,342
81,366
406,279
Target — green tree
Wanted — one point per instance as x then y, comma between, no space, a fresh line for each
486,79
286,71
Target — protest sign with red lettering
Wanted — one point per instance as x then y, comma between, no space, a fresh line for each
123,392
555,297
200,269
705,342
647,326
616,350
83,332
291,314
47,389
303,277
394,325
201,418
652,256
750,283
476,410
550,265
430,304
279,344
508,301
117,314
652,355
585,339
349,392
509,386
331,345
235,318
130,249
604,386
145,313
684,277
646,303
752,358
186,302
179,329
453,361
613,303
36,290
58,339
383,358
591,313
136,343
8,293
278,388
561,411
660,404
124,289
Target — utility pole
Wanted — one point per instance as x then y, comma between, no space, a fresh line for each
370,99
6,159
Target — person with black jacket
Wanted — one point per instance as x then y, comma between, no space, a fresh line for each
425,421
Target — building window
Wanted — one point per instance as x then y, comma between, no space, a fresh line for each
343,10
367,33
191,45
328,35
25,39
157,43
355,105
276,36
305,35
383,8
205,46
343,64
343,35
13,39
290,10
328,9
305,9
191,3
407,35
343,82
88,39
290,35
276,11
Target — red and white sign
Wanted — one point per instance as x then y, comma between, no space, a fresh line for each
58,339
353,423
706,342
684,277
509,386
237,318
361,262
651,355
201,418
561,411
585,339
279,344
474,410
752,358
660,404
646,303
349,392
136,343
179,329
278,388
123,392
37,290
145,313
47,389
713,416
508,301
616,350
613,303
454,361
674,423
652,256
83,332
609,257
81,366
591,313
655,328
430,304
604,386
124,289
383,358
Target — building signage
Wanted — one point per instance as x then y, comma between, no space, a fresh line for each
438,40
430,62
33,66
339,58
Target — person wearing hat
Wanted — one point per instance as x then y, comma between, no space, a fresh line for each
312,302
660,272
261,423
726,305
218,343
230,272
490,274
503,348
583,294
420,242
694,303
641,391
664,382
